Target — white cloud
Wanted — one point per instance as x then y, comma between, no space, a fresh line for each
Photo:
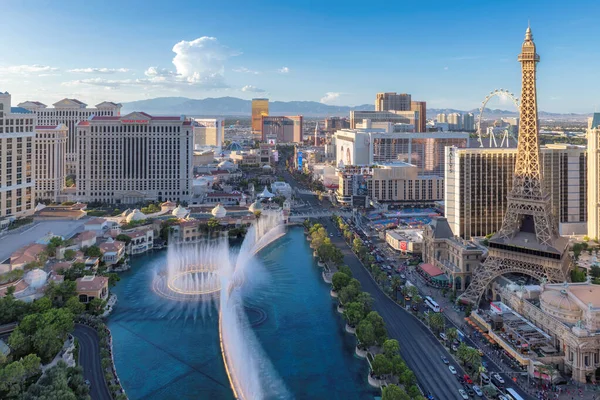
27,69
202,61
330,97
110,83
445,68
244,70
283,70
98,70
252,89
159,74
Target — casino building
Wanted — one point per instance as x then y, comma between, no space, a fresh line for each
134,158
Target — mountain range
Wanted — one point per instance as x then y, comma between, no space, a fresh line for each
233,106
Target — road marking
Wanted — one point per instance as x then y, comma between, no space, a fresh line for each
28,229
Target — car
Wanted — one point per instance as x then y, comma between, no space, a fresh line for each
407,297
402,276
469,391
496,376
502,397
463,394
461,380
331,235
477,391
452,369
87,383
430,396
480,352
468,379
443,336
445,360
454,347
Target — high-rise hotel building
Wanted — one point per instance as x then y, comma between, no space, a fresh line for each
477,181
70,112
50,166
209,132
392,101
17,163
134,158
593,159
260,108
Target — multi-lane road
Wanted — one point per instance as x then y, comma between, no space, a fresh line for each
89,359
419,348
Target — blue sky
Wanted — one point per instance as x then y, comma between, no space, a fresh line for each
450,54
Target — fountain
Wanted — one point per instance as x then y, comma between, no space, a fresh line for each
209,272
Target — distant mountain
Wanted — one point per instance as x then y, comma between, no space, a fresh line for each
234,106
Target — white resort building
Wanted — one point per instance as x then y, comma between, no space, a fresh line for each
50,156
134,158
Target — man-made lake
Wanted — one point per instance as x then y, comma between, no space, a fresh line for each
170,350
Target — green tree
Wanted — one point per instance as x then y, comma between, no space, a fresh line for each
396,285
578,275
393,392
70,254
468,310
112,278
96,306
349,293
412,291
75,306
339,280
391,348
353,313
41,305
92,251
365,334
414,392
452,334
53,244
123,238
213,224
378,325
366,301
381,365
436,321
398,365
346,270
408,378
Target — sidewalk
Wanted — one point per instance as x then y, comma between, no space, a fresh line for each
568,392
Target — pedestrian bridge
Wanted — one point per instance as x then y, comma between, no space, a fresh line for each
301,216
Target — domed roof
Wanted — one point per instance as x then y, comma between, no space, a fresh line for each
266,167
36,278
559,300
226,164
219,211
234,146
136,215
180,212
256,206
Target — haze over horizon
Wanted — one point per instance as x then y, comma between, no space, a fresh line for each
334,53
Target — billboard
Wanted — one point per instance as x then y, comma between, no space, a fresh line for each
299,161
359,185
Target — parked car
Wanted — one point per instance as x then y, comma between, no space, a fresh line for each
443,336
87,383
468,379
445,360
469,391
463,394
454,347
461,380
452,369
407,297
477,391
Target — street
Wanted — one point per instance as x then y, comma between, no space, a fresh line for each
89,359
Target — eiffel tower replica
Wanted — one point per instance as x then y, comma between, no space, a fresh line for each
528,241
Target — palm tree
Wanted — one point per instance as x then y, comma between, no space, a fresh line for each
413,291
396,283
417,299
437,321
452,334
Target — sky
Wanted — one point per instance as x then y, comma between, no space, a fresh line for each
450,54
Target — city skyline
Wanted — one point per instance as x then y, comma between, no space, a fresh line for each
458,56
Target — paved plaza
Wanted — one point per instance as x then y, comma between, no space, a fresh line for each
12,241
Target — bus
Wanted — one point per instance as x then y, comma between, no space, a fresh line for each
513,393
429,302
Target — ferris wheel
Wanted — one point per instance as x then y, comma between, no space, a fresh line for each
502,93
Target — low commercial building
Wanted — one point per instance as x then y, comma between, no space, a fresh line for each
91,287
406,241
392,116
142,240
282,189
456,257
397,183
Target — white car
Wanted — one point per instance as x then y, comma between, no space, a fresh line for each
452,369
498,378
477,391
463,394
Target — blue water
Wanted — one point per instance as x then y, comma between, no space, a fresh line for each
167,350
